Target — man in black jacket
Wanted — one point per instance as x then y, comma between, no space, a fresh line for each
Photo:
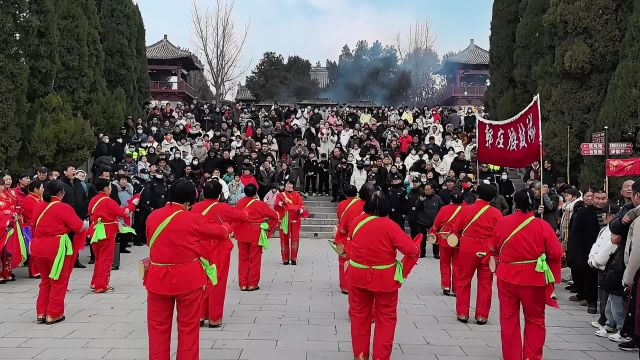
584,232
428,208
411,206
75,196
397,196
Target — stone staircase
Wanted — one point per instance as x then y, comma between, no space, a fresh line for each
322,221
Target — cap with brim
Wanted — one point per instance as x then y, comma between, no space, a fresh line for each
416,180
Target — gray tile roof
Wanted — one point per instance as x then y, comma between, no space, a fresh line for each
473,54
165,50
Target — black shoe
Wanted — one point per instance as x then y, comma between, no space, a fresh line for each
213,326
423,256
91,261
446,292
41,320
125,251
51,322
79,265
293,262
115,268
334,200
437,257
568,287
285,263
481,321
575,298
463,319
592,309
628,346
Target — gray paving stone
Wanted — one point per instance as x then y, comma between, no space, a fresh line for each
298,313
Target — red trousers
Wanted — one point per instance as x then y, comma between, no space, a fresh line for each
160,318
468,264
5,265
33,271
533,299
249,264
361,306
448,263
289,242
103,251
342,274
213,304
50,300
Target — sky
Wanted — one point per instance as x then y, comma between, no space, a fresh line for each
318,29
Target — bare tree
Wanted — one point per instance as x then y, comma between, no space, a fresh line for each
220,43
418,56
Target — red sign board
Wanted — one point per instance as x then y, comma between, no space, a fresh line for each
594,149
620,145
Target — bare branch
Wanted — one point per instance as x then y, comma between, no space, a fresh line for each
220,43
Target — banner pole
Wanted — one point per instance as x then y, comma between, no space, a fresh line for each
541,167
606,157
568,154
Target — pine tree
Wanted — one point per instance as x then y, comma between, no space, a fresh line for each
74,76
118,34
41,48
54,121
500,96
13,82
142,73
94,46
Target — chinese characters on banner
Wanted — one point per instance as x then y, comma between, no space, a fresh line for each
623,167
512,143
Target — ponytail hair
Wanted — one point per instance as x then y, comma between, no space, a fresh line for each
53,188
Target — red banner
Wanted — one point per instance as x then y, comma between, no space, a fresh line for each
516,142
623,167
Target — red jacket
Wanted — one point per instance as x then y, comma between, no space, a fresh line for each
478,236
376,243
405,141
28,207
346,214
178,249
442,226
291,202
221,213
535,239
249,180
105,208
258,211
59,219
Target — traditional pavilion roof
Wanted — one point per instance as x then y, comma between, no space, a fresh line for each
362,104
317,102
243,94
473,56
164,52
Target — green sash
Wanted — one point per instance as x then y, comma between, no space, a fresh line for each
64,249
284,223
206,211
541,262
353,201
264,238
23,247
398,275
99,232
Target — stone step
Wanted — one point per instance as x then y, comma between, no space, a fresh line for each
322,215
309,235
317,228
314,221
322,209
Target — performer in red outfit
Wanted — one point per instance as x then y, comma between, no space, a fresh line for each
36,189
529,263
215,211
54,252
8,208
474,227
375,276
103,213
290,208
177,275
253,237
442,227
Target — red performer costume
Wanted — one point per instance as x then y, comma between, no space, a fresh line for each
347,210
217,252
525,244
176,277
8,207
442,227
28,207
103,213
375,277
54,253
249,245
474,227
290,208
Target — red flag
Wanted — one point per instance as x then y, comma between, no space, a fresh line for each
513,143
623,167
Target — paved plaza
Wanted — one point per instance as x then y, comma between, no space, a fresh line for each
299,313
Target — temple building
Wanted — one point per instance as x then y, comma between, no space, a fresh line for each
320,74
168,68
467,77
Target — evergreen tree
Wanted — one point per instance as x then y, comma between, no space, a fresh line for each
54,122
13,82
499,96
74,74
118,35
142,73
95,54
41,47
